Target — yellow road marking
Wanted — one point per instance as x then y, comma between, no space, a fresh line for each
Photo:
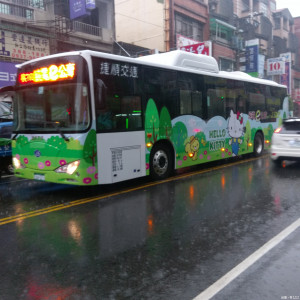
50,209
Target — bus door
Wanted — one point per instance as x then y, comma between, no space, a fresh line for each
120,134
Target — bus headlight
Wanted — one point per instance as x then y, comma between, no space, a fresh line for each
68,168
17,163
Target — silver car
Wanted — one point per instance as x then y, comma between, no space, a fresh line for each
286,141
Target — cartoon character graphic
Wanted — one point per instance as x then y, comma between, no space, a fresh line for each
236,131
192,147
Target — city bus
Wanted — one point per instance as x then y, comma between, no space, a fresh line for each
88,118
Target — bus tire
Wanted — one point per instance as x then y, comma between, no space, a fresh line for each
161,162
258,144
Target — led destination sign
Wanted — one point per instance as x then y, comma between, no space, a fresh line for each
49,74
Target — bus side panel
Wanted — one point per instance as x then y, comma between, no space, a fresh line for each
199,141
121,156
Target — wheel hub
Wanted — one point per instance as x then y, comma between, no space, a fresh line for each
160,162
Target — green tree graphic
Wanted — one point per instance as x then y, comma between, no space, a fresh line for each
165,125
151,122
247,135
90,148
269,132
284,115
179,135
22,140
202,140
74,144
57,142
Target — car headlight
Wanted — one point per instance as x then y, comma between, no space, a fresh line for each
68,168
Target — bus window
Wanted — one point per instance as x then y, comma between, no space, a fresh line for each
130,116
197,108
185,102
215,102
274,101
230,101
241,104
215,96
161,86
257,101
190,97
118,101
235,99
103,111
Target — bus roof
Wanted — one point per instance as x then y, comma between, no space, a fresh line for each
188,60
176,60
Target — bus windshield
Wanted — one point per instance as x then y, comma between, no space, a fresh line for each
46,108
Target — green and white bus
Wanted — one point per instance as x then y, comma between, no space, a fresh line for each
88,118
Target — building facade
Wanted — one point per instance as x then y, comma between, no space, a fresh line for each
241,34
161,25
35,28
250,34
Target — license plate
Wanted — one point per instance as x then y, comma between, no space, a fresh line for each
39,177
294,143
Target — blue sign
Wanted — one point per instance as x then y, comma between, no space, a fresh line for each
90,4
8,74
252,59
77,9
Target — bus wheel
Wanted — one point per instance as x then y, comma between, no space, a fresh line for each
258,144
161,163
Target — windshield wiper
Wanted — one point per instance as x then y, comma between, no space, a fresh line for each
14,137
56,126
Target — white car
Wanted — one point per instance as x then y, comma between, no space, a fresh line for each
286,141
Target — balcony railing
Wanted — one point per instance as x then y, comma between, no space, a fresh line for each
86,28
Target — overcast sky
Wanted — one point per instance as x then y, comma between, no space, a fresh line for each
292,5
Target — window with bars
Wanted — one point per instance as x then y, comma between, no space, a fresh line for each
188,27
15,10
31,3
296,83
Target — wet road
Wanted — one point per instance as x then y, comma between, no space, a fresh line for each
169,240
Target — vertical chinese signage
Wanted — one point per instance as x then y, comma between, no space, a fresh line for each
285,78
252,51
261,65
22,46
8,73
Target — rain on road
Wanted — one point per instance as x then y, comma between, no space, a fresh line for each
166,240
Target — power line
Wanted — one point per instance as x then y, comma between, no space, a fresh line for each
142,21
